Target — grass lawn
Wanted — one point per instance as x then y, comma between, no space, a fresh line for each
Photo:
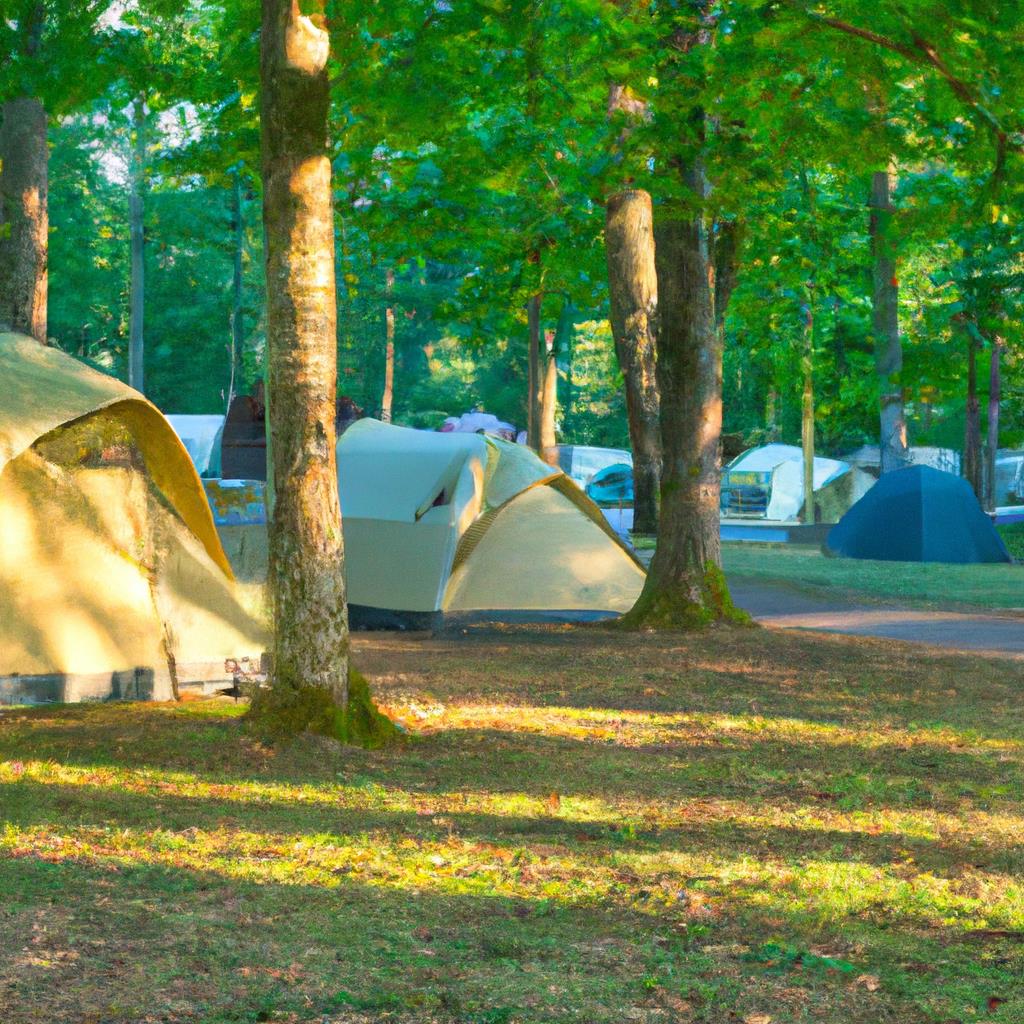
985,586
743,826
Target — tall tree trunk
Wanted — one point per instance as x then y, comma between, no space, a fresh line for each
886,326
237,305
24,180
549,400
972,428
137,237
307,565
387,399
633,294
807,410
685,585
992,440
534,377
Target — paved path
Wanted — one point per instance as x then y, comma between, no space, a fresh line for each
790,607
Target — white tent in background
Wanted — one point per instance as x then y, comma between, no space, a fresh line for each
201,437
478,423
768,482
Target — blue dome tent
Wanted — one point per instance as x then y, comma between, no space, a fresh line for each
918,514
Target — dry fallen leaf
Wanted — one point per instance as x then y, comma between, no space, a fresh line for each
869,981
757,1018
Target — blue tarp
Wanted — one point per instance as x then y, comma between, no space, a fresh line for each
918,514
612,485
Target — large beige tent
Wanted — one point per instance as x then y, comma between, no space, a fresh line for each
111,572
449,522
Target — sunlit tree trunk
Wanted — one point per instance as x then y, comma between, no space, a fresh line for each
387,399
307,570
633,295
549,400
685,585
137,240
972,428
886,326
24,174
534,377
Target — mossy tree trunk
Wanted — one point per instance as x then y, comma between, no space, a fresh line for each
307,571
685,586
633,295
24,176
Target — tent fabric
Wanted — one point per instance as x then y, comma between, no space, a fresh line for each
107,581
45,389
438,522
581,462
780,467
918,514
201,436
612,485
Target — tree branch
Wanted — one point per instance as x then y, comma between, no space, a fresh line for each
923,53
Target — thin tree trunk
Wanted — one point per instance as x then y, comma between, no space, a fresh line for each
807,411
633,294
137,236
972,428
307,565
24,182
886,326
534,380
992,441
771,412
685,585
549,401
237,306
389,349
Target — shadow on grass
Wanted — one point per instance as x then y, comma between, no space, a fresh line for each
119,943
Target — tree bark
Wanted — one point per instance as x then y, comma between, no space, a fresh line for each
633,294
534,378
972,427
24,180
307,568
685,585
549,401
992,440
387,399
137,241
237,295
885,323
807,411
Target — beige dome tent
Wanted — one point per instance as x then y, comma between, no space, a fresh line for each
449,522
112,577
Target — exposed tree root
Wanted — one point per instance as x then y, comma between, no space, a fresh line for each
685,604
282,712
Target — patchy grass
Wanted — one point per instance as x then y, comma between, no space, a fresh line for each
1013,538
985,586
740,826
